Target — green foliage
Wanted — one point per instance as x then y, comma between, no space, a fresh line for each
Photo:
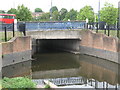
12,11
72,15
47,86
54,8
86,12
38,10
108,14
55,16
2,11
18,82
23,13
63,13
44,17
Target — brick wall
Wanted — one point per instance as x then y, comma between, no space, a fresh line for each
17,44
99,41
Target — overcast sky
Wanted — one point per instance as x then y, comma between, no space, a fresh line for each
46,4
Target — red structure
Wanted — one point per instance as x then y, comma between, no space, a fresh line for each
7,18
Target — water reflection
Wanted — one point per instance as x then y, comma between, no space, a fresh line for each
16,70
58,65
99,69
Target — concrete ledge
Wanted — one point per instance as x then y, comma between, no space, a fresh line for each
13,58
108,55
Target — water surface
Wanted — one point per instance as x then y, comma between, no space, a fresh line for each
65,65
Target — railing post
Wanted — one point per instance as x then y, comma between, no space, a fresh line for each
108,31
13,30
24,27
5,30
97,28
118,33
105,29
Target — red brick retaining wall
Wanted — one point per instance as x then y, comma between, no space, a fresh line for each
17,44
99,41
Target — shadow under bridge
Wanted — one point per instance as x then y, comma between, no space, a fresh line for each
49,45
62,40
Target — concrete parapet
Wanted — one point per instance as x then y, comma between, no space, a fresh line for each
55,34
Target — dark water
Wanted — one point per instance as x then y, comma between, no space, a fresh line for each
62,64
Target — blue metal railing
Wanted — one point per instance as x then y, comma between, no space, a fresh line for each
30,26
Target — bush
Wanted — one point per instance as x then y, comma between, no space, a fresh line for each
47,86
18,82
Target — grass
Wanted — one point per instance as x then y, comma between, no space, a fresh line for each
18,82
113,33
9,35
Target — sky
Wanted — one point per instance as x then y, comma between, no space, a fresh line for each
45,5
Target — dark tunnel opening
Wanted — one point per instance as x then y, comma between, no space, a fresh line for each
55,45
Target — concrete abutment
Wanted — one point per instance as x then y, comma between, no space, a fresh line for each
16,50
85,42
100,45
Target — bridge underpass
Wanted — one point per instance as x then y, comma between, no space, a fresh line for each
50,45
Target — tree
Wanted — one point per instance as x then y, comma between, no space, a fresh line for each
108,14
63,13
23,13
54,8
38,10
44,17
12,11
86,12
2,11
72,15
55,16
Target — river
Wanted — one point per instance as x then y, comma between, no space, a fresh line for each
51,65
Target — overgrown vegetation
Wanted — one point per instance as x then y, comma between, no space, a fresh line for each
18,82
9,35
112,33
47,86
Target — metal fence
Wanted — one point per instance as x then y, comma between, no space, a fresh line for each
102,27
78,81
35,26
62,81
7,31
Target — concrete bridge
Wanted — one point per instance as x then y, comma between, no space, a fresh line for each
67,40
55,34
75,41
